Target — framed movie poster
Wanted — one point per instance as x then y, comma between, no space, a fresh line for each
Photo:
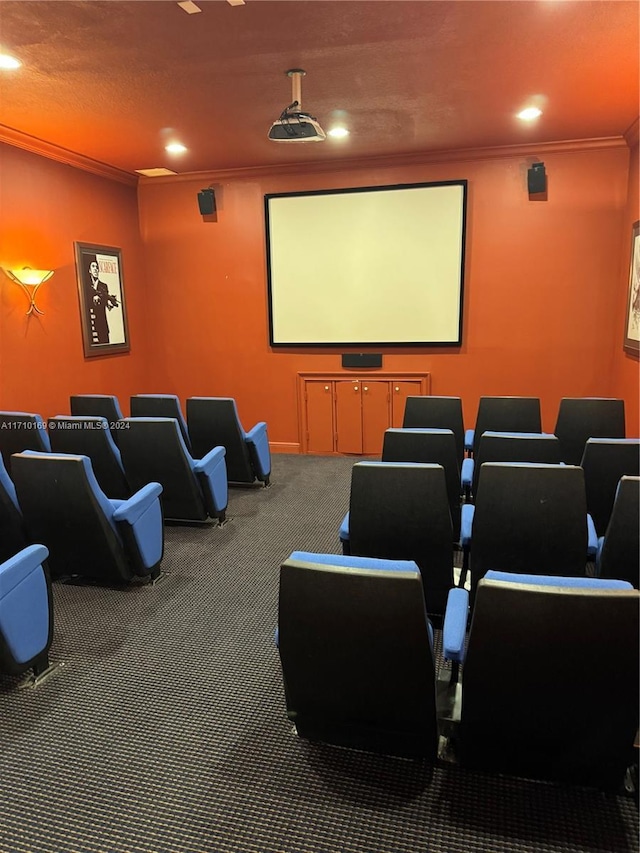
632,322
102,302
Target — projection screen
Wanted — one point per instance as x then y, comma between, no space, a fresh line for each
367,266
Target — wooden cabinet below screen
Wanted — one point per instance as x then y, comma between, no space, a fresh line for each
349,412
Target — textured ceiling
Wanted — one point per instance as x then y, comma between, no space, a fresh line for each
115,81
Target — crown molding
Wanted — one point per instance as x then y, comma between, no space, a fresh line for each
426,158
71,158
63,155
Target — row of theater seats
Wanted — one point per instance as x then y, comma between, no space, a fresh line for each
541,677
99,517
578,419
549,668
193,463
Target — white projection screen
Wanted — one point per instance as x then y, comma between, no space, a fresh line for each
367,266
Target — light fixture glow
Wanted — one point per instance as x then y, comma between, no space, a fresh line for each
175,148
529,114
9,62
26,278
338,132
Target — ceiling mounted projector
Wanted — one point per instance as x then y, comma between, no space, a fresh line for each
294,125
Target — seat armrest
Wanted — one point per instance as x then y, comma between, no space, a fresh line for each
258,442
133,508
256,431
344,529
599,555
466,524
212,471
466,476
208,464
455,625
592,538
25,604
468,439
18,568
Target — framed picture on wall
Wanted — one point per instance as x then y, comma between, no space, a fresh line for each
102,302
632,322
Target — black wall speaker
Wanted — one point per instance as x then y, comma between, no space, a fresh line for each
207,201
362,359
537,178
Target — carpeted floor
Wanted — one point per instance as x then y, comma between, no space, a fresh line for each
165,731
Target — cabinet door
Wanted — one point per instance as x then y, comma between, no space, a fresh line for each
376,416
318,400
399,393
348,416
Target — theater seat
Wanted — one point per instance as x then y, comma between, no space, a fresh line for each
90,436
88,535
400,511
618,553
504,414
429,412
26,612
549,678
13,535
161,406
214,421
356,653
527,518
21,431
98,406
581,418
153,449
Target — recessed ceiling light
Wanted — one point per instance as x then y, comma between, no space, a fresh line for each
7,61
529,114
338,132
155,173
189,7
175,148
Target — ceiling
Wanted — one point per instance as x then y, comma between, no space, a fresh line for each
115,81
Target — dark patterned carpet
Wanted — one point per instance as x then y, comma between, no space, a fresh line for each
165,732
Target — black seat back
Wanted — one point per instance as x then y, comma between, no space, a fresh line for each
400,511
90,436
65,509
507,414
96,405
620,553
515,447
550,683
21,431
356,656
581,418
530,519
153,450
436,413
161,406
213,422
437,446
604,461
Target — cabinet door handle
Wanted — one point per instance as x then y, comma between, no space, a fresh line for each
326,387
397,388
355,387
366,388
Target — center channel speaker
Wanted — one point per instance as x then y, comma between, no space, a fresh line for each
362,359
207,201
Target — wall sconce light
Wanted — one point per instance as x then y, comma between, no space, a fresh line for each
28,278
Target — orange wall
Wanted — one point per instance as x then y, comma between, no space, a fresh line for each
544,298
541,292
626,368
44,207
